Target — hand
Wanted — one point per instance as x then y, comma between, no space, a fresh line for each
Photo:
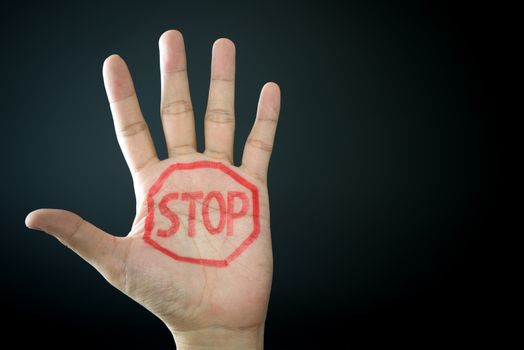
203,304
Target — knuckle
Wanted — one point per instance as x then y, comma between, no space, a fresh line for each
219,154
133,129
181,149
223,79
75,229
259,144
176,108
271,121
220,116
120,100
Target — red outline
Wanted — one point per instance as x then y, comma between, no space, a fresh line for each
194,165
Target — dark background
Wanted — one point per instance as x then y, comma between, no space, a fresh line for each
380,183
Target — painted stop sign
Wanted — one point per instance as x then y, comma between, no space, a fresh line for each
202,212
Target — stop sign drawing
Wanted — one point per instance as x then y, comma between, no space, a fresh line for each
203,213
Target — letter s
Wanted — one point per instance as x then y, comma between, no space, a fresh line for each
164,209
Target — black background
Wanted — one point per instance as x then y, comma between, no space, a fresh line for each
380,183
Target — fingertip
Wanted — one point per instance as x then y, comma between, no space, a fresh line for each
113,65
223,59
111,59
46,219
270,98
171,34
172,51
39,219
113,56
30,219
117,79
272,88
224,43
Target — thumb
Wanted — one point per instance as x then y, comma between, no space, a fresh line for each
97,247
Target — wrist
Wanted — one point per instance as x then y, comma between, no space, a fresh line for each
220,338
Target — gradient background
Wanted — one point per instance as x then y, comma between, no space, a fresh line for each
380,183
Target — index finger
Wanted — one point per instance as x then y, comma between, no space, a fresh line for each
131,129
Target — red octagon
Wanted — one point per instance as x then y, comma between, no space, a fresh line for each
157,186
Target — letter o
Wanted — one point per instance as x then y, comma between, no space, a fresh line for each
222,212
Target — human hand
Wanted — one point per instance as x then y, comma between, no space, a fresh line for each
203,303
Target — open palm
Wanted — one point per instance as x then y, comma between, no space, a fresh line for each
199,251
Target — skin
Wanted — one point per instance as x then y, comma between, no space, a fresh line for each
203,306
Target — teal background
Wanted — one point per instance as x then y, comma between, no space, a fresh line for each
381,182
